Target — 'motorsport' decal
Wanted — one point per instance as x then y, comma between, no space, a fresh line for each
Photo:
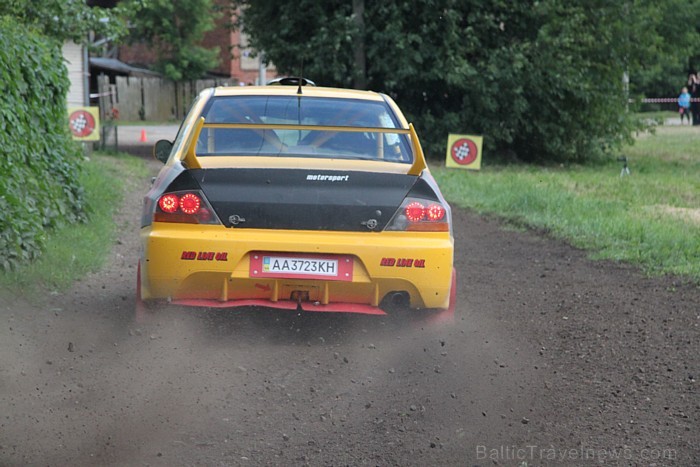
328,178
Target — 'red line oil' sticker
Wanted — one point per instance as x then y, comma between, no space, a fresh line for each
402,263
204,255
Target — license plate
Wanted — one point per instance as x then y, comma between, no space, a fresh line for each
283,265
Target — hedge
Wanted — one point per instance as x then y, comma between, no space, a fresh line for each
39,163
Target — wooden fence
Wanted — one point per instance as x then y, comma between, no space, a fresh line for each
151,99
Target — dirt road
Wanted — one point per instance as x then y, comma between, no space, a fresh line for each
552,360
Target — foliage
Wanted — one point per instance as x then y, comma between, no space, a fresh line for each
75,250
540,79
314,34
39,161
174,28
65,19
664,73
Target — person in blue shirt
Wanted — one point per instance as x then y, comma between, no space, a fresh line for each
684,105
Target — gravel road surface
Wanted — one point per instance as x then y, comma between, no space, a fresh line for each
553,359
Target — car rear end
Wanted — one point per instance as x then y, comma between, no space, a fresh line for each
276,200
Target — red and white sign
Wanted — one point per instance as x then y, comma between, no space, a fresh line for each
84,123
464,151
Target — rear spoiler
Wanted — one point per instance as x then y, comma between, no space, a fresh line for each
190,157
419,164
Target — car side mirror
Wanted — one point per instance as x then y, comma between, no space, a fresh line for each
161,150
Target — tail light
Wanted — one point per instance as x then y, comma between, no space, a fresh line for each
190,203
421,214
169,203
188,207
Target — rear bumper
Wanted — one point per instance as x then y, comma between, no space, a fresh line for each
211,266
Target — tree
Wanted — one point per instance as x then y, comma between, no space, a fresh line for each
664,73
64,20
175,28
39,189
312,34
540,79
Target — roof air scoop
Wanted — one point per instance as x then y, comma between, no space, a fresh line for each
291,81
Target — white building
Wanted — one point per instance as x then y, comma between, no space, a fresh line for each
75,56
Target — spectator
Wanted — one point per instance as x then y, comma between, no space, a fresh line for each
684,105
694,90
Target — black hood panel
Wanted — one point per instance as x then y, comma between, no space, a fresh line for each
301,199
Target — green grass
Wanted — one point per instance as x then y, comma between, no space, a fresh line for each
659,116
650,218
76,250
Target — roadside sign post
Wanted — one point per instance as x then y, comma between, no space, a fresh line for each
464,152
84,123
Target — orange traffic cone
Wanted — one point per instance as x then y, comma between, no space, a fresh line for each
143,136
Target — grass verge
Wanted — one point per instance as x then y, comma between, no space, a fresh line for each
76,250
650,218
660,116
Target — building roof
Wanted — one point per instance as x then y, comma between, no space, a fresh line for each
119,67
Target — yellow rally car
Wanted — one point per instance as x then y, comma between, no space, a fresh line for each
296,197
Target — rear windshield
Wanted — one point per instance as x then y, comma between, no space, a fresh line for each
365,131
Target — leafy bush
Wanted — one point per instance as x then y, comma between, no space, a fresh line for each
39,188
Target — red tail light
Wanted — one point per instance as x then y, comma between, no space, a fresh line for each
190,203
415,211
435,212
169,203
185,207
422,215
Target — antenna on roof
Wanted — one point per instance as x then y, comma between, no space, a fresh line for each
301,74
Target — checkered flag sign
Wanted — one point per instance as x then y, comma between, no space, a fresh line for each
82,123
79,123
462,151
